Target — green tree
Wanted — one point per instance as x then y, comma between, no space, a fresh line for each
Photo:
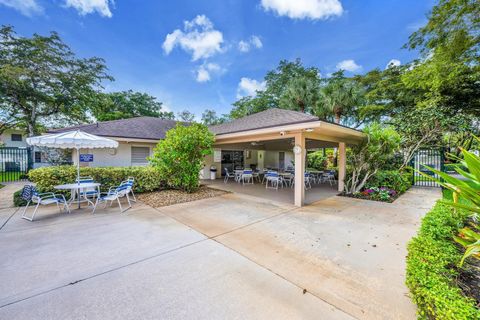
371,155
42,80
127,104
179,157
278,81
209,117
185,116
449,68
339,97
300,94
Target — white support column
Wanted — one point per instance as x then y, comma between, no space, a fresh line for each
342,163
300,170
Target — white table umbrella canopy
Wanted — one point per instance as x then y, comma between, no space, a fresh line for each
73,140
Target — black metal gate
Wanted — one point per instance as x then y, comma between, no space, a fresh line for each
433,158
14,163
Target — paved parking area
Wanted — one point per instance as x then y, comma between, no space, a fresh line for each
230,257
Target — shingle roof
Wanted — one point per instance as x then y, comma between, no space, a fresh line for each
268,118
135,128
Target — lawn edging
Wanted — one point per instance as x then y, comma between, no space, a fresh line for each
431,267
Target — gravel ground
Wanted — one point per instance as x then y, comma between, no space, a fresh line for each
168,197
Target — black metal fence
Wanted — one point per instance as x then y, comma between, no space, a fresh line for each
433,158
15,163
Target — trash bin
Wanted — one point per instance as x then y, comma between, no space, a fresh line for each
213,172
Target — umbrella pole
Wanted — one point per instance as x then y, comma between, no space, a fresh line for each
78,176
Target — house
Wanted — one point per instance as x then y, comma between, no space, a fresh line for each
275,138
136,137
13,138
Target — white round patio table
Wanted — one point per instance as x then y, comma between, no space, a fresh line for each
75,191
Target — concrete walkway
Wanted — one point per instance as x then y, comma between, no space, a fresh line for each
6,193
231,257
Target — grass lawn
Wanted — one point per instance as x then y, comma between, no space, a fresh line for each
10,176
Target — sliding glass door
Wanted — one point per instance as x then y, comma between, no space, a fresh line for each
231,159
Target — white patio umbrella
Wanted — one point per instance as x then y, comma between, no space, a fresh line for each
72,140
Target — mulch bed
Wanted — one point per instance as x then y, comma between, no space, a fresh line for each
365,197
169,197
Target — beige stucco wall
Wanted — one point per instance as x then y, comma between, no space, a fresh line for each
121,157
6,138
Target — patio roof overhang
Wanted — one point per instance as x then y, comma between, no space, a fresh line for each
313,130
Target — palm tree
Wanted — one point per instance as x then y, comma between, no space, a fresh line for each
338,97
301,94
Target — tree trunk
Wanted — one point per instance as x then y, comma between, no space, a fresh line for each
337,117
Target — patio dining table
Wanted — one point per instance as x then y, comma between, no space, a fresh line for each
76,188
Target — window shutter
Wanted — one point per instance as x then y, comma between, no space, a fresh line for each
139,155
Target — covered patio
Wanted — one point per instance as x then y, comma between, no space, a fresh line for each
281,136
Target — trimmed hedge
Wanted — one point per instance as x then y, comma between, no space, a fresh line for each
146,178
431,267
391,179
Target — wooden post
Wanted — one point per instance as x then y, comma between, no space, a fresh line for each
300,170
342,162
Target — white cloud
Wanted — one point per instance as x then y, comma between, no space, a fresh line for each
304,9
252,42
198,38
249,87
349,65
206,70
84,7
25,7
393,63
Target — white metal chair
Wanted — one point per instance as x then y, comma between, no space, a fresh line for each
274,180
130,181
228,175
115,193
330,177
30,194
88,193
247,176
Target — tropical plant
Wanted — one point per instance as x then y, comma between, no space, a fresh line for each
367,158
301,94
470,239
467,189
179,157
338,97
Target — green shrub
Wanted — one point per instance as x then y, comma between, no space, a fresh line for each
451,167
316,160
17,199
146,178
179,157
391,179
432,257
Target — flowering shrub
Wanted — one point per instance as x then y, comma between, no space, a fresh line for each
379,194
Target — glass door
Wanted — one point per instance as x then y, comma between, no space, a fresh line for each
231,160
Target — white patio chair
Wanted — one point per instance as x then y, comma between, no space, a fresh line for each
274,180
247,176
115,193
30,194
330,177
130,181
88,193
288,179
228,175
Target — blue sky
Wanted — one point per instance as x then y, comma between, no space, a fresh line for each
194,54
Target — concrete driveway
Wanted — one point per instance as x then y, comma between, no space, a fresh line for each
231,257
